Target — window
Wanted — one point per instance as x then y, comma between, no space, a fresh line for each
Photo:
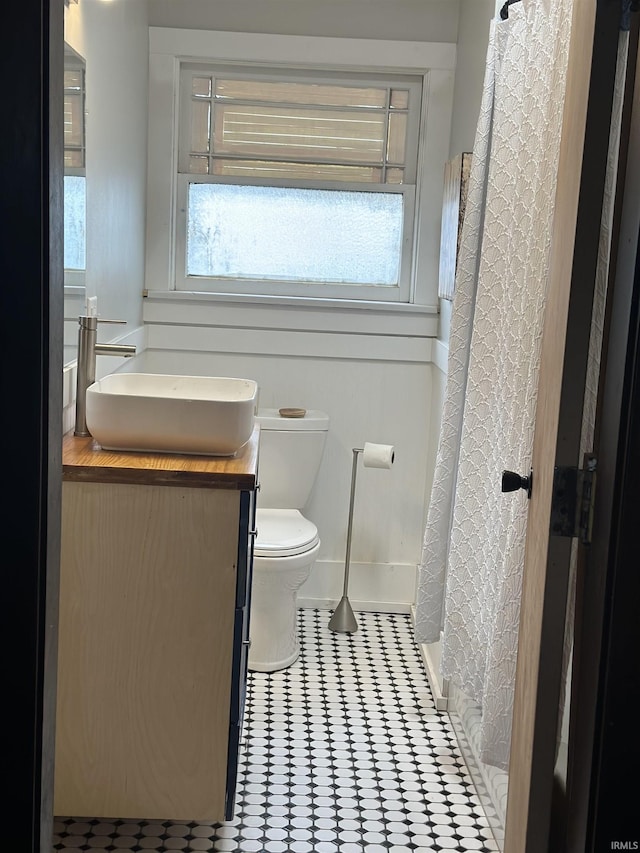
74,170
296,183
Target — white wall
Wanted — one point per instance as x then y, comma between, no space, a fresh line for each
428,20
472,39
373,384
366,400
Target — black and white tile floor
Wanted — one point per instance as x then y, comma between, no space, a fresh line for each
344,752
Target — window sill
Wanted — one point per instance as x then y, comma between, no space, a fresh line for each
300,302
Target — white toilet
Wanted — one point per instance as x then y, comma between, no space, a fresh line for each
287,543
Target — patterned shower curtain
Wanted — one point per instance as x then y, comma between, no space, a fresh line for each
473,553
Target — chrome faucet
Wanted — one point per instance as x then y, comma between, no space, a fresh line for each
88,349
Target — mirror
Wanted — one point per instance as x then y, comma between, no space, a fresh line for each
74,198
109,44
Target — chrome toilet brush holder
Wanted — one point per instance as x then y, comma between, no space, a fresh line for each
343,621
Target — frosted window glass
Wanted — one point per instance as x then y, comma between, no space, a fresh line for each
286,234
74,222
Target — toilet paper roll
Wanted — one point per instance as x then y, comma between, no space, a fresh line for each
378,455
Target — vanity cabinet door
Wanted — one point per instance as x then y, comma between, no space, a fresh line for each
239,669
148,600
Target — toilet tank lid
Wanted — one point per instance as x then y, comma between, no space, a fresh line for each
272,419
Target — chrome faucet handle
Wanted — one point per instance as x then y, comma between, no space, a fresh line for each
121,322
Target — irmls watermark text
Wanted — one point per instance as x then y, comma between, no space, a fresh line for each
625,845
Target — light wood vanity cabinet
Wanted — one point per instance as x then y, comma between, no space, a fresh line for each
153,632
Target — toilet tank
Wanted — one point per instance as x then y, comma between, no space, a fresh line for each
289,457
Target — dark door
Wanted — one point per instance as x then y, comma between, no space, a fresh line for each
602,780
31,334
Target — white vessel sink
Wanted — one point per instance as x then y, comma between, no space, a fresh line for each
210,415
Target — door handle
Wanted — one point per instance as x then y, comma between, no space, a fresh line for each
511,482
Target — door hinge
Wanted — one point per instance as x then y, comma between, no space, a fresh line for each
573,500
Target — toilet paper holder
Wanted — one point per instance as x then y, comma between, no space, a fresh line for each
343,620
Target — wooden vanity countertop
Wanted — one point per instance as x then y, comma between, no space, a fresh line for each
85,461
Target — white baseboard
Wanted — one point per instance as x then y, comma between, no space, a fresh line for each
383,587
356,606
430,653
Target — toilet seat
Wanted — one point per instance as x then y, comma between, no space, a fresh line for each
283,533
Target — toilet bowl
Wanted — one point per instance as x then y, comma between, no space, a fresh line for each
286,548
286,544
